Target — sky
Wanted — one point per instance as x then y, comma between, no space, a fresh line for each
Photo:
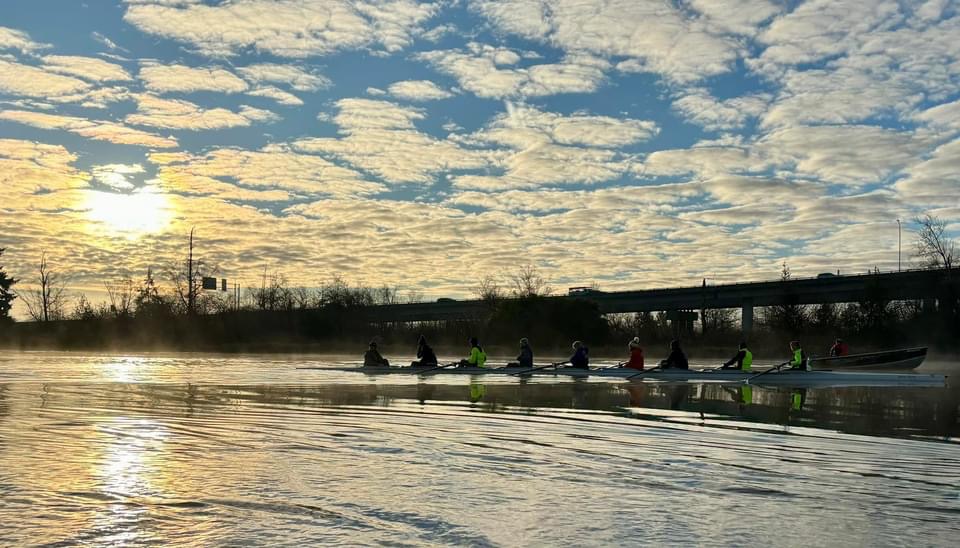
624,143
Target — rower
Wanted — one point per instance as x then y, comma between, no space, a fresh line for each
525,359
478,358
581,356
425,355
372,357
677,359
636,355
839,348
742,361
799,360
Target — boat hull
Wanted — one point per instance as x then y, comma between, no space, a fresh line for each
891,360
781,378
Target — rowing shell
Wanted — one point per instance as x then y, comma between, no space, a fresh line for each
782,378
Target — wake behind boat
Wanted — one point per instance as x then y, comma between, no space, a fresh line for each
791,378
898,360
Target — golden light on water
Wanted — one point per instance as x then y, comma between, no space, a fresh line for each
143,211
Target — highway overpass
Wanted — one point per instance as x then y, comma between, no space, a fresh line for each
907,285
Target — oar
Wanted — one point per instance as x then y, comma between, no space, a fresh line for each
437,367
777,368
538,368
645,371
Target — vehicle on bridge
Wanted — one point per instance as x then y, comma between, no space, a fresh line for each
583,291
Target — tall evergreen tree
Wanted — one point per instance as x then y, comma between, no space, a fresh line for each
6,296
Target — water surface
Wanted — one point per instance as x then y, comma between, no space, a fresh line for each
222,450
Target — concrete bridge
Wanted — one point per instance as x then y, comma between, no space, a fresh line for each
925,285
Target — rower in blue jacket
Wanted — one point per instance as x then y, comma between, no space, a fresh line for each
580,358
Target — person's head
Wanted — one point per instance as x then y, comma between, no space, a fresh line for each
577,345
743,344
674,344
524,343
474,341
838,341
794,345
634,343
373,345
422,340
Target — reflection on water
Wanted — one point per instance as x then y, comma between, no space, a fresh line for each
154,452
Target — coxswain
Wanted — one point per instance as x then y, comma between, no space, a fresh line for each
581,356
425,355
799,359
636,355
372,357
839,348
742,361
677,359
478,358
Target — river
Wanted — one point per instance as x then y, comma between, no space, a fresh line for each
199,449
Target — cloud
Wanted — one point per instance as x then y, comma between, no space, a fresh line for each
18,40
652,35
30,168
184,79
701,108
869,154
380,137
285,28
273,168
91,129
116,176
179,114
479,71
523,126
418,90
294,77
88,68
110,44
934,181
26,80
277,94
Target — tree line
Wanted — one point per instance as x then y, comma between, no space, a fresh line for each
516,306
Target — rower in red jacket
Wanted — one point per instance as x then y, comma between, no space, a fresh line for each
636,355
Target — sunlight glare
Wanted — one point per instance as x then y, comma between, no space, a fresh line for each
143,211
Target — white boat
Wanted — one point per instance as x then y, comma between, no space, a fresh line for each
779,378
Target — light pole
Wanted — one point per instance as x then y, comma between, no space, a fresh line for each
898,245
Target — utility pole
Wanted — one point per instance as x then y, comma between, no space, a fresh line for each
898,245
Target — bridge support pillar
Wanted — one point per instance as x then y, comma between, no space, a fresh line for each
746,317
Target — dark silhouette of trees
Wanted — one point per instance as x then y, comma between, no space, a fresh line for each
6,295
788,317
47,301
934,248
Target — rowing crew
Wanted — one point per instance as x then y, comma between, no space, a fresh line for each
426,357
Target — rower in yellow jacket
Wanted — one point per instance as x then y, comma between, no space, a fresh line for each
478,358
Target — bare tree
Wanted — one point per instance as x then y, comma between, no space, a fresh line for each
47,301
488,290
122,295
934,248
273,293
528,282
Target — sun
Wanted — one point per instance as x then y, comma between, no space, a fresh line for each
133,214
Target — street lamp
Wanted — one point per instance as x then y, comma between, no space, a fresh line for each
898,245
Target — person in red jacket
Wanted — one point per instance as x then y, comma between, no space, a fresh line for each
839,348
636,355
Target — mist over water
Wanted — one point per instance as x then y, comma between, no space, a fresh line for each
220,450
